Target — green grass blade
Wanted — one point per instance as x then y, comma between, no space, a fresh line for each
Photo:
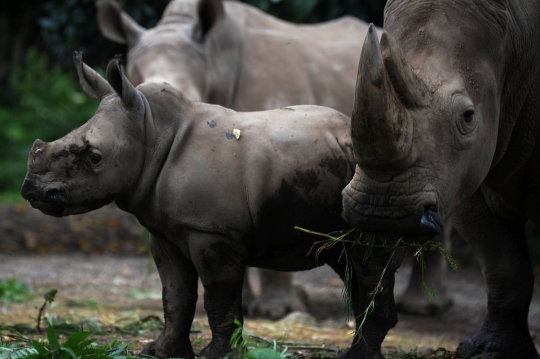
40,348
53,339
70,352
77,338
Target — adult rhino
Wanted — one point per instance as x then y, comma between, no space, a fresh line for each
232,54
212,202
446,122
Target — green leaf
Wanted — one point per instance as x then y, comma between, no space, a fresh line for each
77,338
40,348
53,339
69,351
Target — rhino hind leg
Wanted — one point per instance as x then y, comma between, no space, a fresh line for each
278,296
415,300
179,279
221,264
247,294
499,243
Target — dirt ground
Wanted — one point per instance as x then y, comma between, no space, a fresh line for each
123,288
112,289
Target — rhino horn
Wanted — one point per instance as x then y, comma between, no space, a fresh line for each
411,90
92,83
381,127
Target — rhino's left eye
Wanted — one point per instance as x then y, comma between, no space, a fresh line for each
468,115
95,158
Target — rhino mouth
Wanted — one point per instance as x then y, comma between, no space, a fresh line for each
52,202
422,219
50,208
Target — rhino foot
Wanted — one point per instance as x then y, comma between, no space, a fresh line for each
420,305
218,349
497,346
149,349
160,349
276,304
278,296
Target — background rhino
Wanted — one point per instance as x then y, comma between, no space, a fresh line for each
446,121
231,54
213,204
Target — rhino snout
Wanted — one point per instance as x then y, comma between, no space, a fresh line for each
51,201
388,213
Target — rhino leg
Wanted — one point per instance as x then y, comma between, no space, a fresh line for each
415,300
278,296
383,315
179,279
247,294
221,264
499,243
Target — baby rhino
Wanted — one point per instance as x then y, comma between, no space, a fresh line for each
214,199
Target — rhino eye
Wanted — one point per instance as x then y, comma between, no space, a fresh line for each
95,158
468,115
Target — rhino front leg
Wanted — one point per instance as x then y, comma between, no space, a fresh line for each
415,300
221,264
179,280
371,329
278,296
500,245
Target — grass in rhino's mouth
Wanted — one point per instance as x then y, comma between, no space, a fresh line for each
367,242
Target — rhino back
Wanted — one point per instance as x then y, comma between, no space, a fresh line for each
278,174
287,64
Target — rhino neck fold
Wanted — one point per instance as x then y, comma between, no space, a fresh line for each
160,131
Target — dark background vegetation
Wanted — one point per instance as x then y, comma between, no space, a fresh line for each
39,93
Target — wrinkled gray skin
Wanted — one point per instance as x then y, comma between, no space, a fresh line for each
231,54
213,204
446,121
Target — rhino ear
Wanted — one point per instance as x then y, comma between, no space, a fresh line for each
115,24
121,85
209,13
92,83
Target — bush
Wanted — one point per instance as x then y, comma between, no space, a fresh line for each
49,105
13,290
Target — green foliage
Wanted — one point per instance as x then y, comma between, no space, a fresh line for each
76,346
71,25
13,290
50,104
260,347
368,242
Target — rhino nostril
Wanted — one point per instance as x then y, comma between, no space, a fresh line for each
55,195
431,219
